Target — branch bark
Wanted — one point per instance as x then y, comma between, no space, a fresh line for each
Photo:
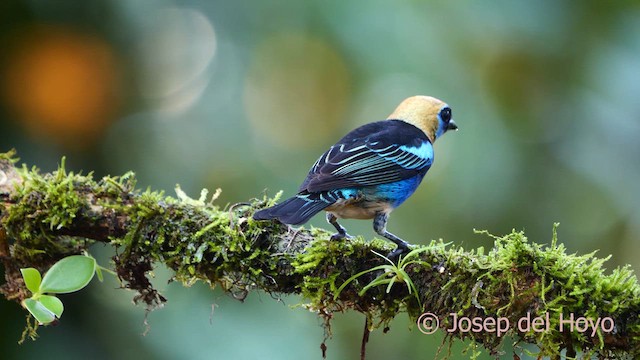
45,217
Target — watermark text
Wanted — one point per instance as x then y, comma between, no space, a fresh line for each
429,323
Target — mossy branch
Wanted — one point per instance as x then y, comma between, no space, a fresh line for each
45,217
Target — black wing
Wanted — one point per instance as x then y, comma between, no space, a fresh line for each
377,153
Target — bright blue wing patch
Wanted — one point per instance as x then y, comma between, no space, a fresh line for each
377,153
370,164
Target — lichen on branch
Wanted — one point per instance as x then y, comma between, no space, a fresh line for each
46,217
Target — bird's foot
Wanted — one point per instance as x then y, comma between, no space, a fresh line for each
340,236
394,256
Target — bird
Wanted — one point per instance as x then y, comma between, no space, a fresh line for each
370,171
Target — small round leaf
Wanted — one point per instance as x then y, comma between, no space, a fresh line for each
68,275
52,304
39,311
32,279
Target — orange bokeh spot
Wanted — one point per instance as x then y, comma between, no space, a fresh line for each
62,85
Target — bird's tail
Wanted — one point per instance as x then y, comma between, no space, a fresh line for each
295,210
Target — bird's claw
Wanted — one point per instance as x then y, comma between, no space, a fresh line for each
394,256
340,236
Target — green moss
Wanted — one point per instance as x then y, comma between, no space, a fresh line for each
54,215
521,277
514,279
44,203
10,156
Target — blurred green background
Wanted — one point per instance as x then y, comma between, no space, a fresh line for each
245,95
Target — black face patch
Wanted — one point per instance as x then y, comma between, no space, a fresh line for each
445,114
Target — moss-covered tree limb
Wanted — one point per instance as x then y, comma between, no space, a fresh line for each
45,217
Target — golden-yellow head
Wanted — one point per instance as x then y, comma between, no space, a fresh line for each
427,113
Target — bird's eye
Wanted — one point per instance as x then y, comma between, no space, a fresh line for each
445,114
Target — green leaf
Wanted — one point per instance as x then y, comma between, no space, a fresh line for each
391,282
68,275
52,304
379,267
39,311
32,279
380,280
99,273
405,277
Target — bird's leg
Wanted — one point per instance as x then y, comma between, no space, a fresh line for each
380,226
342,232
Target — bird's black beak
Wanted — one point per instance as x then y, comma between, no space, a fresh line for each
452,125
